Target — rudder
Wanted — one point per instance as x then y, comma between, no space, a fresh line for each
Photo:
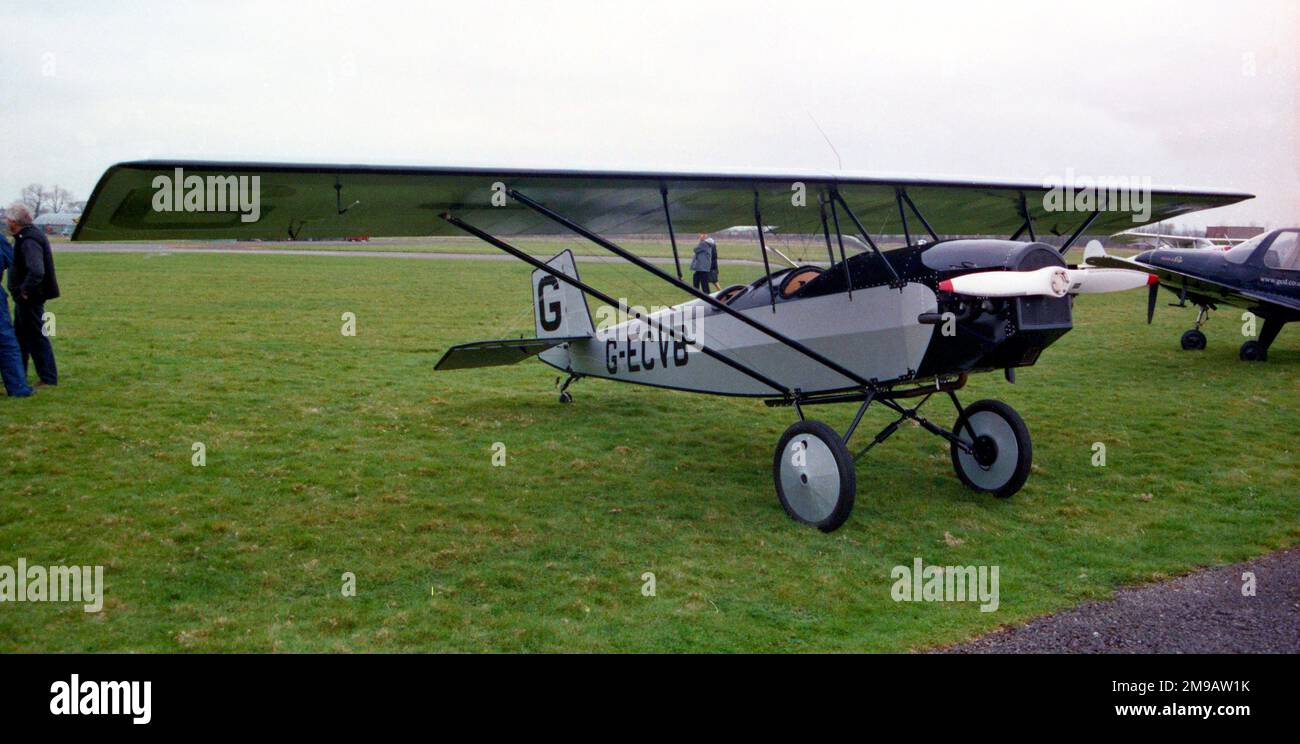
559,308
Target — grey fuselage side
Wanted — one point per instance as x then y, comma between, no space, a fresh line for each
886,331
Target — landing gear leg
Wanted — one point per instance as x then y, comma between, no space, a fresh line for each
990,444
814,470
1194,340
565,396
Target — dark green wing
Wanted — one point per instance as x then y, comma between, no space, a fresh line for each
332,201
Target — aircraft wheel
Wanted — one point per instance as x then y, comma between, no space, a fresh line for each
814,475
1002,448
566,397
1193,341
1253,351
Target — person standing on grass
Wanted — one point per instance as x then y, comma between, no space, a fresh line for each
713,262
11,358
32,282
703,262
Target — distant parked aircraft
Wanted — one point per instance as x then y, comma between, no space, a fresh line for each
1261,275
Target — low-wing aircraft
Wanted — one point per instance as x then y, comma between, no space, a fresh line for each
1169,240
1261,275
891,328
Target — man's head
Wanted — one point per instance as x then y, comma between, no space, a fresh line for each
18,216
703,236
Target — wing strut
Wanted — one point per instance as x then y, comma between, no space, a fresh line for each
1075,235
663,193
710,300
907,234
902,193
584,287
762,248
858,224
839,236
1028,224
821,207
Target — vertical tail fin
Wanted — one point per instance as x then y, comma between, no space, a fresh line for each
560,309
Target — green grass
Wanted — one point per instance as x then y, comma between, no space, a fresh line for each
799,248
328,454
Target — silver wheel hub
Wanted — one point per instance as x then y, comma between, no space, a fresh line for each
810,477
995,474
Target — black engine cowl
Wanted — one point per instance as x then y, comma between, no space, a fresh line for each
954,257
993,333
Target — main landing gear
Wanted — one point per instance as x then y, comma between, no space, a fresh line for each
814,469
1253,350
1256,350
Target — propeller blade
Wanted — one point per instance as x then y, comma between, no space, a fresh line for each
1051,282
1096,281
1153,289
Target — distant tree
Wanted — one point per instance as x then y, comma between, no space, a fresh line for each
34,197
58,199
49,201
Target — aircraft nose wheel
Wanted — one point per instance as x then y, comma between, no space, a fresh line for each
1253,351
1193,341
1001,451
814,475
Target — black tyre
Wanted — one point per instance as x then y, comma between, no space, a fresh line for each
1253,351
814,475
1193,341
1003,452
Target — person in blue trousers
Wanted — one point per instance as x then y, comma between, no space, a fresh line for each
11,359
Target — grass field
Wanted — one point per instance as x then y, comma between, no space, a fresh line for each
728,248
798,248
329,454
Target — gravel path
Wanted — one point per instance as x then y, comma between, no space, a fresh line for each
1203,612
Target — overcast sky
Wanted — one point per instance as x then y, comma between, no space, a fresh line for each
1194,94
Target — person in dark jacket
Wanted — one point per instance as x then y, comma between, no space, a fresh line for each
11,358
32,282
713,268
703,262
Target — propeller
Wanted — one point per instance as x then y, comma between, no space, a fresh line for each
1117,279
1051,281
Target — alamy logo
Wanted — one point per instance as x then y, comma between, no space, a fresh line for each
214,193
1103,194
922,583
91,698
624,323
26,583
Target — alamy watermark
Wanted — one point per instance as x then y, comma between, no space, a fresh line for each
1102,194
26,583
95,698
922,583
637,338
213,193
